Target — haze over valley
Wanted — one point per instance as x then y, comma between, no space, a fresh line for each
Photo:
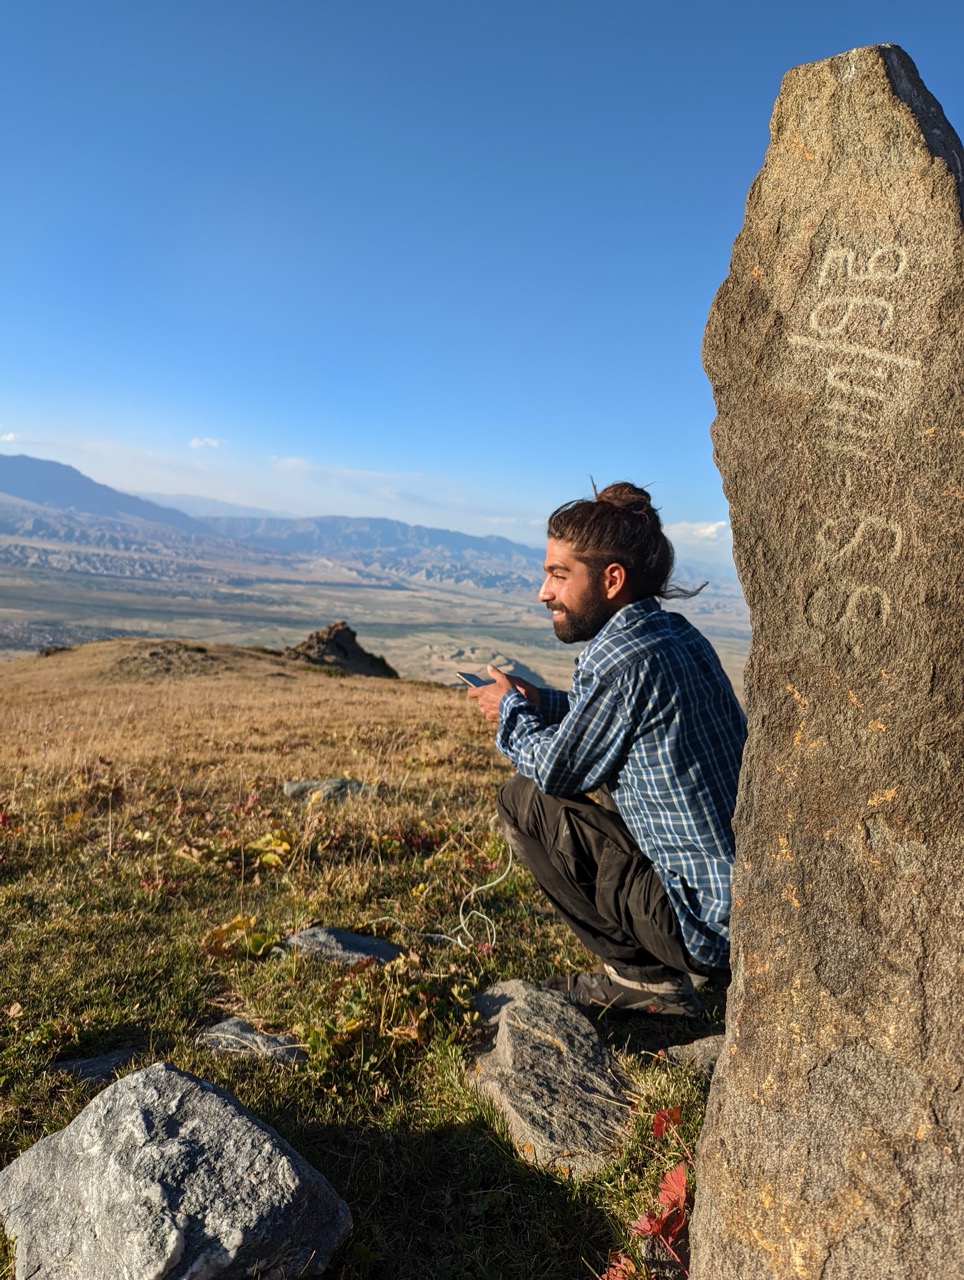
82,561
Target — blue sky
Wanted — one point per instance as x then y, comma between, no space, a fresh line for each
437,260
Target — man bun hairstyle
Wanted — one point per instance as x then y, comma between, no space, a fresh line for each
620,525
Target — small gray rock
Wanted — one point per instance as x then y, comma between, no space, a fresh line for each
234,1036
300,788
164,1176
341,946
700,1054
331,789
100,1069
659,1264
550,1076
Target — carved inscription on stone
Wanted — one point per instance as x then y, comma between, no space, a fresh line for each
862,379
848,330
836,352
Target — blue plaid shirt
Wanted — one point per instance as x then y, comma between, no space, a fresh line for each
652,715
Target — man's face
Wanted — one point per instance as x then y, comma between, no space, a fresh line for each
574,594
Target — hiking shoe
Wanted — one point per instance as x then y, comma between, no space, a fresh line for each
607,990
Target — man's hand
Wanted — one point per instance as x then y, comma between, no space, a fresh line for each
488,696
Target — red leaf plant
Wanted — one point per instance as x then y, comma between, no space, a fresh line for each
668,1118
621,1267
667,1121
669,1224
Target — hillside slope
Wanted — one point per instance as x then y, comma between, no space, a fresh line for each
150,860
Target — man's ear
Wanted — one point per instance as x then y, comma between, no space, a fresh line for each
613,580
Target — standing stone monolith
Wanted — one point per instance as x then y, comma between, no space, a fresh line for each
834,1140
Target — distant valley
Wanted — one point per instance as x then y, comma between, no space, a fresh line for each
79,561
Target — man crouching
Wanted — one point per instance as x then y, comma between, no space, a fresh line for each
640,869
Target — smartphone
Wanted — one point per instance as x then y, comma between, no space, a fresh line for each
468,678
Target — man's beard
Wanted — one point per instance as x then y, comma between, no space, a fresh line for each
577,625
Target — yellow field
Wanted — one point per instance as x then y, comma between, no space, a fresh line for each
141,810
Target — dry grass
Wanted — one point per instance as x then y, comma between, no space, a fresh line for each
141,805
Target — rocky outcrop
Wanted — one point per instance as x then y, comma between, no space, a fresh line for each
834,1140
337,646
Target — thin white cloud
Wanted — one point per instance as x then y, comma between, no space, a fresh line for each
416,497
295,465
297,485
291,465
710,541
700,532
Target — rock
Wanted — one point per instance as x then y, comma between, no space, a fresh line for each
336,646
657,1260
834,1138
100,1069
341,946
166,1175
335,790
234,1036
702,1055
550,1076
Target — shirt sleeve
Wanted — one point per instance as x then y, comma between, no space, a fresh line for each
577,754
553,705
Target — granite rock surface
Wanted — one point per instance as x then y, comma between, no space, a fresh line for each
549,1074
834,1141
164,1176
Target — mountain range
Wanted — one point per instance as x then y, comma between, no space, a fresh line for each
97,529
82,561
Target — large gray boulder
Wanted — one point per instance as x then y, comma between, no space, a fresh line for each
546,1070
834,1141
164,1176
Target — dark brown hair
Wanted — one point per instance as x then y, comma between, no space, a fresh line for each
620,525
